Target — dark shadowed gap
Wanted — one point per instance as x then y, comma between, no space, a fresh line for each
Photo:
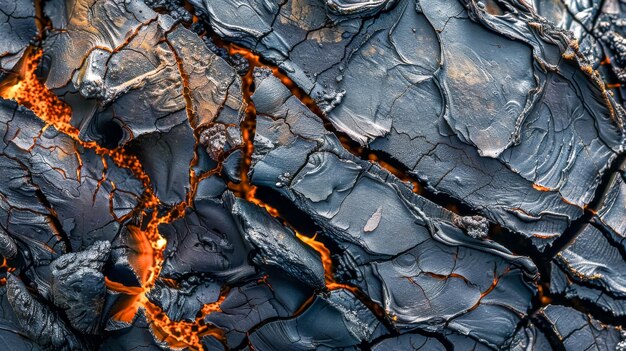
297,218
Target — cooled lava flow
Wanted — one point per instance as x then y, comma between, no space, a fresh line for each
26,88
247,190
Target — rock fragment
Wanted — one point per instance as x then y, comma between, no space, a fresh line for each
78,286
38,321
577,330
278,246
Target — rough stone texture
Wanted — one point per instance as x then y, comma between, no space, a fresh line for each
185,302
578,331
366,73
590,269
17,29
207,242
312,174
278,246
409,342
78,286
432,260
249,305
529,337
38,321
334,322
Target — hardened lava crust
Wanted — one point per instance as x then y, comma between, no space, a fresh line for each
312,175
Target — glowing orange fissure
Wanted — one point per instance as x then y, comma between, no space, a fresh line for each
29,91
256,61
25,88
248,191
327,262
4,266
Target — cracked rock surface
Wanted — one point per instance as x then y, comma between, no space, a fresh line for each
312,175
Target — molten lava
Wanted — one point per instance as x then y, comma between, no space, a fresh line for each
146,241
26,88
5,269
324,253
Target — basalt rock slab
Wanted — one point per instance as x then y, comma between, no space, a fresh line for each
366,80
577,330
432,258
255,303
78,286
206,241
38,321
529,337
339,321
17,30
137,336
86,192
149,65
590,269
277,245
184,302
409,342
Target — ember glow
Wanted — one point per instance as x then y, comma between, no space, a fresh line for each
388,174
147,242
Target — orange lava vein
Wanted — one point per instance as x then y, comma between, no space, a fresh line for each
29,91
248,191
324,253
4,266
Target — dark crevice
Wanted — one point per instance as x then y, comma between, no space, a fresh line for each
522,245
570,233
56,224
588,308
111,133
553,339
298,219
589,212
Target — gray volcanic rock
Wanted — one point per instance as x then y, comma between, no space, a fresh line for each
312,174
38,321
367,81
529,337
78,286
12,335
86,192
579,331
185,302
409,342
149,66
17,29
254,303
8,249
137,336
205,241
339,321
590,269
277,245
429,257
